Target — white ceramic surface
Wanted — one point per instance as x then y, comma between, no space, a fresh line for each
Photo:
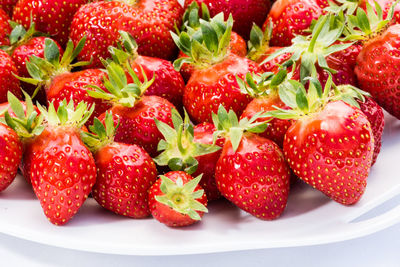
310,219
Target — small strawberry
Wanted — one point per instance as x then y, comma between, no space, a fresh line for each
251,171
124,172
8,83
177,200
330,145
51,17
180,152
213,83
135,111
5,28
148,21
8,6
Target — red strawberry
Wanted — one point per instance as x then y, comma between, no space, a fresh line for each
181,151
135,112
148,21
8,83
10,155
52,17
8,6
177,200
251,172
245,12
330,145
124,172
5,28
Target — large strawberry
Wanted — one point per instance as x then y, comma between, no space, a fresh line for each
168,82
330,145
124,172
51,17
62,170
180,152
214,81
5,28
135,111
8,6
251,171
7,80
148,21
245,12
177,200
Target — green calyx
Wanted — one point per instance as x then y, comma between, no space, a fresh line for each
27,124
67,114
120,91
179,149
259,41
191,18
182,197
42,70
126,49
101,134
347,7
229,126
310,51
207,45
349,94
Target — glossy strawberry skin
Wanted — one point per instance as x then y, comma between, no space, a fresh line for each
137,125
375,116
62,171
255,178
149,22
164,213
272,65
8,82
52,17
332,151
5,28
290,17
168,82
74,86
8,6
208,88
377,69
10,155
124,176
277,128
203,133
244,12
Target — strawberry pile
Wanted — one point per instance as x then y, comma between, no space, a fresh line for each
157,109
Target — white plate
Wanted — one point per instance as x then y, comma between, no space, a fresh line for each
310,218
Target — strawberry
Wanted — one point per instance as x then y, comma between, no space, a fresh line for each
330,144
10,155
251,171
177,200
180,152
124,172
135,111
8,83
5,28
61,168
148,21
191,24
214,82
168,82
245,12
51,17
291,17
8,6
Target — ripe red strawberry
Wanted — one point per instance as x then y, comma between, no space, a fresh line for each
177,200
8,83
181,151
214,82
51,17
291,17
168,82
244,12
148,21
8,6
124,172
5,28
330,145
61,168
251,171
10,155
135,112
